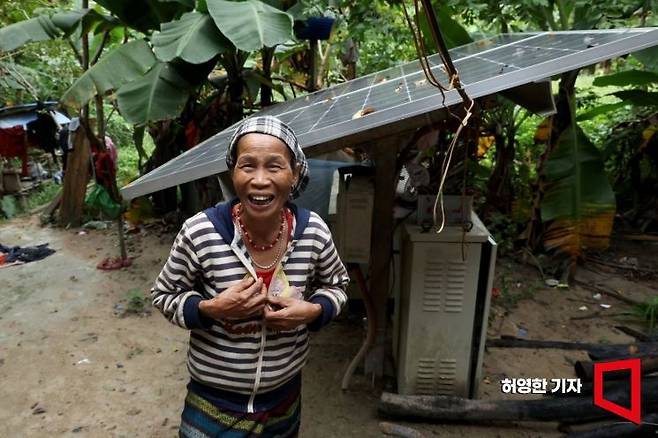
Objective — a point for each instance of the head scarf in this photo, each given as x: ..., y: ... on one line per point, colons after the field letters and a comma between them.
x: 272, y: 126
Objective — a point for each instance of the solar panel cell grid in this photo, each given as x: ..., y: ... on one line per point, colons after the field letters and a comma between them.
x: 397, y: 93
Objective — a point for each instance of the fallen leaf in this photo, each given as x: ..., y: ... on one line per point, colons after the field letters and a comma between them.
x: 364, y: 112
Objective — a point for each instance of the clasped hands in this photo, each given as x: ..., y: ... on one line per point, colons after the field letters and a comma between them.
x: 249, y: 298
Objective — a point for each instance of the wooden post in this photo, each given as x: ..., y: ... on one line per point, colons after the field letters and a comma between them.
x: 75, y: 180
x: 312, y: 84
x: 384, y: 153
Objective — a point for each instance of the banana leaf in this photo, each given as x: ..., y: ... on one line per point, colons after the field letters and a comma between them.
x: 578, y: 198
x: 638, y: 97
x: 454, y: 34
x: 648, y: 57
x: 120, y: 66
x: 251, y: 24
x: 47, y: 27
x: 146, y: 15
x: 35, y: 29
x: 160, y: 94
x: 634, y: 78
x: 194, y: 38
x: 601, y: 109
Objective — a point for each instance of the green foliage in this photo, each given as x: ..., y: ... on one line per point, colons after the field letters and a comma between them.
x: 194, y: 38
x: 35, y: 29
x: 638, y: 97
x: 8, y: 206
x: 577, y: 183
x: 160, y: 94
x: 453, y: 32
x: 636, y: 78
x: 146, y: 15
x: 505, y: 232
x: 648, y: 57
x: 42, y: 195
x: 135, y: 301
x: 648, y: 312
x: 251, y: 24
x: 122, y: 65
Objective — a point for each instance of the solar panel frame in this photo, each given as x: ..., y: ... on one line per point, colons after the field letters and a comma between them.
x: 340, y: 103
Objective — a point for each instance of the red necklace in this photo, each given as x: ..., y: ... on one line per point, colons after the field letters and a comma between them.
x: 245, y: 233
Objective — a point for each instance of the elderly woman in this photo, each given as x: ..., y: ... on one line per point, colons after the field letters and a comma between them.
x: 249, y: 278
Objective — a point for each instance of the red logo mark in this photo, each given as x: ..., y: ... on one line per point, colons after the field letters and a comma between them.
x: 632, y: 414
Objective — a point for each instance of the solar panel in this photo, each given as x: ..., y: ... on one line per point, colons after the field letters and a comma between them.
x: 398, y: 93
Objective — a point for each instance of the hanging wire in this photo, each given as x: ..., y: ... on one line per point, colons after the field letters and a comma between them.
x: 455, y: 84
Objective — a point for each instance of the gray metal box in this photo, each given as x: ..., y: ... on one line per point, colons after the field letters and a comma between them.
x: 441, y: 316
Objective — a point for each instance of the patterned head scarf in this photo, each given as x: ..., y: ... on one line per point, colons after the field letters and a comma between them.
x: 272, y: 126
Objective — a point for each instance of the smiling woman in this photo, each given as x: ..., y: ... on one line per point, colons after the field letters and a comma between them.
x: 249, y: 278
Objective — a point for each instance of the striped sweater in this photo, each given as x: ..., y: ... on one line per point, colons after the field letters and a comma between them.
x: 208, y: 256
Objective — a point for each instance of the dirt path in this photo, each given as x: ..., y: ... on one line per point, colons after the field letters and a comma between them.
x: 70, y: 367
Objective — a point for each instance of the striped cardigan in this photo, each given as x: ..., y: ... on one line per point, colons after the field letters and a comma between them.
x: 207, y: 257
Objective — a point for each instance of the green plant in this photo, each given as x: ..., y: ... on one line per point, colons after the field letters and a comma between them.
x: 505, y: 231
x: 8, y: 206
x: 648, y: 312
x: 42, y: 195
x: 136, y: 301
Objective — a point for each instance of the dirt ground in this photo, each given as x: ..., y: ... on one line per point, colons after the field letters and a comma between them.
x: 74, y: 362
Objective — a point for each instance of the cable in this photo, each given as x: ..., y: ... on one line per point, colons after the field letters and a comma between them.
x: 455, y: 84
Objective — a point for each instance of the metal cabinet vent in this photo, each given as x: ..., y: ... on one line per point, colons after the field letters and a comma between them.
x: 441, y: 315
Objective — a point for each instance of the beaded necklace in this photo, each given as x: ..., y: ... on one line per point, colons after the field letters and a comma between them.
x: 246, y: 235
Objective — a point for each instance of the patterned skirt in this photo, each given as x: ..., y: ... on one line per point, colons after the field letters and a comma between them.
x: 203, y: 419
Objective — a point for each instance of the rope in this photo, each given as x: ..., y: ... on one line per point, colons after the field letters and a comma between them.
x: 454, y: 83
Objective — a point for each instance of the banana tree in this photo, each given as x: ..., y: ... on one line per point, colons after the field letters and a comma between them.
x: 175, y: 46
x: 578, y: 203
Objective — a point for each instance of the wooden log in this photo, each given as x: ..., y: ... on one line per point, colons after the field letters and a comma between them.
x: 640, y: 336
x: 640, y: 237
x: 647, y: 428
x: 398, y: 430
x: 587, y: 387
x: 595, y: 351
x: 75, y: 180
x: 616, y: 351
x: 512, y: 342
x: 384, y: 152
x: 441, y: 409
x: 585, y: 370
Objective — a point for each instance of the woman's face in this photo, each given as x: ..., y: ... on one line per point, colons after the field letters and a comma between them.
x: 262, y: 175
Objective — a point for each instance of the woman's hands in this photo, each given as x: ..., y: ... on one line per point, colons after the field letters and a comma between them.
x: 290, y: 313
x: 242, y: 300
x: 249, y: 298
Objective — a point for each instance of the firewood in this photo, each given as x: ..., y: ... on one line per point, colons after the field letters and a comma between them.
x: 440, y: 409
x: 585, y: 370
x: 620, y: 430
x: 398, y: 430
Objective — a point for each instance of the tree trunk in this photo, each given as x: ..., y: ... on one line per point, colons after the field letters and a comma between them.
x: 560, y: 121
x: 500, y: 191
x: 265, y: 90
x: 75, y: 180
x: 235, y: 88
x: 164, y: 136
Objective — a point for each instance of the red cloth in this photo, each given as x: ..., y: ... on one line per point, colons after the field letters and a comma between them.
x: 13, y: 144
x: 267, y: 275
